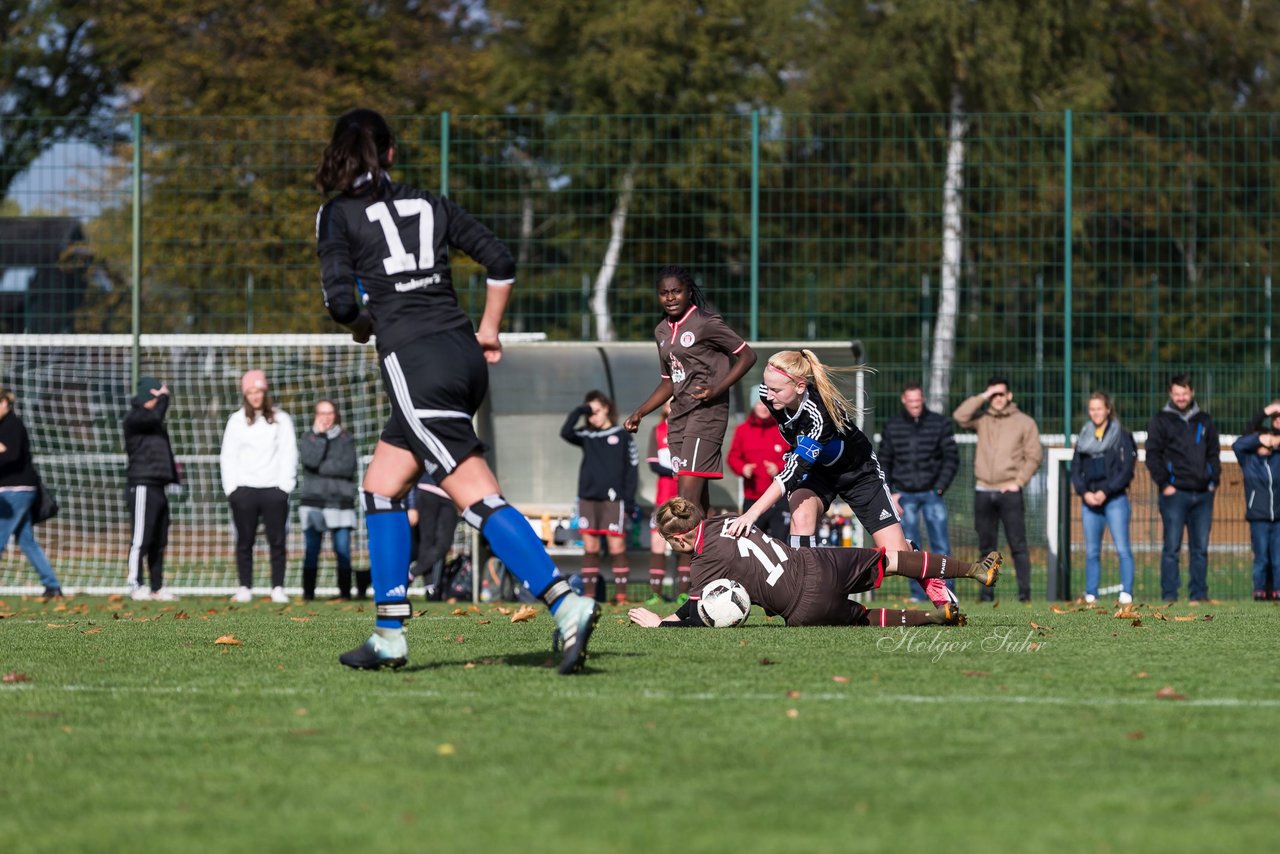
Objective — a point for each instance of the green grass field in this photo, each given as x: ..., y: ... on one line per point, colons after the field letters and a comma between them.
x: 126, y: 727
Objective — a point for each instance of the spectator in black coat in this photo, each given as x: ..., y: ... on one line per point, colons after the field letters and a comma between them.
x: 1101, y: 471
x: 18, y: 493
x: 151, y: 468
x: 919, y: 458
x: 328, y: 495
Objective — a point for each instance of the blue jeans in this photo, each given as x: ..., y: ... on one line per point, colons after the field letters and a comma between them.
x: 15, y: 517
x: 311, y: 540
x: 1113, y: 515
x: 1265, y: 537
x: 1193, y: 511
x: 934, y: 509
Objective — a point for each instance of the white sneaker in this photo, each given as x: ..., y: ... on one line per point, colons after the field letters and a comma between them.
x: 244, y: 594
x: 1089, y: 598
x: 1126, y: 599
x: 279, y: 596
x: 140, y: 593
x: 164, y: 595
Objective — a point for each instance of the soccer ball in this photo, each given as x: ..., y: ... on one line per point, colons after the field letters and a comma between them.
x: 724, y: 604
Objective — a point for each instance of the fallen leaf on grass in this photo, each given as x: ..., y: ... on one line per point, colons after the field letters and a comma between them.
x: 475, y: 609
x: 229, y: 640
x: 8, y: 614
x: 843, y: 680
x: 977, y: 673
x: 766, y: 662
x: 458, y: 612
x: 115, y: 597
x: 506, y: 612
x: 793, y: 713
x: 1185, y: 619
x: 1126, y: 613
x: 1033, y: 646
x: 1137, y: 623
x: 421, y: 613
x: 470, y: 665
x: 445, y: 750
x: 301, y: 619
x: 793, y: 695
x: 181, y: 615
x: 1055, y: 609
x: 59, y: 625
x: 14, y: 676
x: 1040, y: 628
x: 1159, y: 615
x: 460, y: 639
x: 523, y: 614
x: 93, y: 631
x: 1141, y: 674
x: 1136, y: 735
x: 1208, y: 618
x: 1167, y: 693
x: 302, y: 713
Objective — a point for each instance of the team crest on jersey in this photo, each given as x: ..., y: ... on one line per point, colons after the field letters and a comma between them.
x: 678, y: 374
x: 687, y: 339
x: 678, y: 464
x: 613, y: 440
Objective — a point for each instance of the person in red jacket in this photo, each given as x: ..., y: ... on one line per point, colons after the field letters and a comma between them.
x: 755, y: 455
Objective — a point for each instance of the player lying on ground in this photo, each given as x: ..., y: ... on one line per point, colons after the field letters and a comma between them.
x: 806, y: 586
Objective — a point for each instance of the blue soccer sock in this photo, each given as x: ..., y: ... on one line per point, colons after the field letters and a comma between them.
x: 516, y: 545
x: 388, y: 527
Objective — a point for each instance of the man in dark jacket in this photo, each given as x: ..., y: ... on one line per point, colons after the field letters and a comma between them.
x: 1259, y: 461
x: 328, y: 494
x: 151, y: 468
x: 1182, y: 457
x: 919, y: 458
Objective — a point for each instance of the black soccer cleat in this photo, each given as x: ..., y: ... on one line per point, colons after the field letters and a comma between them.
x: 376, y: 653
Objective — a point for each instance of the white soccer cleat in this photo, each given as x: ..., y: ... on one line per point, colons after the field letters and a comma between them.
x: 164, y: 594
x: 1126, y: 599
x: 1089, y: 598
x: 244, y: 594
x: 140, y: 593
x: 279, y: 596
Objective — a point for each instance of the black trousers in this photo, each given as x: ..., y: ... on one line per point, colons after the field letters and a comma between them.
x: 149, y: 517
x: 990, y: 510
x: 248, y: 505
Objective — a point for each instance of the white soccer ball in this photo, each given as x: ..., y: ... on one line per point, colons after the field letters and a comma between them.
x: 724, y: 604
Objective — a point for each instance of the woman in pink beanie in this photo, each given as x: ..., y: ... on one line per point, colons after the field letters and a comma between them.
x: 259, y: 469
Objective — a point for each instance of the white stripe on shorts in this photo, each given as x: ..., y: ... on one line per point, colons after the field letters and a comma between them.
x: 139, y: 525
x: 400, y: 391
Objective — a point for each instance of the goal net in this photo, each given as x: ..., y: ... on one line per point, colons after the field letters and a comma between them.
x: 72, y: 393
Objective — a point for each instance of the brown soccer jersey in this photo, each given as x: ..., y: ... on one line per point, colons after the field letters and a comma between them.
x: 695, y: 351
x: 807, y: 587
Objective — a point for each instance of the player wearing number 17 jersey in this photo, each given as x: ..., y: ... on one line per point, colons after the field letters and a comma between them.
x: 384, y: 256
x: 806, y: 586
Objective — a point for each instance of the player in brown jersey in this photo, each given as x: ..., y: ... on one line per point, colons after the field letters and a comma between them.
x: 829, y: 456
x: 699, y: 359
x: 806, y: 586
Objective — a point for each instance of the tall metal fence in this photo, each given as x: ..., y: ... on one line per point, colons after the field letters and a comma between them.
x: 1086, y: 251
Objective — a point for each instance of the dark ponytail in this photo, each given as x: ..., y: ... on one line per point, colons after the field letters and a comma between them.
x: 361, y: 145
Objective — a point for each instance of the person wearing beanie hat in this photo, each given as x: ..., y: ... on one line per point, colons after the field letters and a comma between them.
x: 259, y: 463
x: 384, y: 251
x: 151, y: 468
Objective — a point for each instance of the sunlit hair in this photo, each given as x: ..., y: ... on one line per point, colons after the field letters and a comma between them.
x: 610, y: 408
x: 684, y: 277
x: 798, y: 365
x: 268, y: 408
x: 337, y: 413
x: 678, y: 516
x: 361, y: 145
x: 1106, y: 401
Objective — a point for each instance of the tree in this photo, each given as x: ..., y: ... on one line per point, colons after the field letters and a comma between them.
x: 54, y: 82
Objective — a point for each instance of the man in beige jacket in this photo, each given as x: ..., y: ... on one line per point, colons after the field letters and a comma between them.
x: 1008, y: 455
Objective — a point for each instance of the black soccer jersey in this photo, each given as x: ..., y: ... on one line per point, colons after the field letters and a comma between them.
x: 393, y: 247
x: 844, y: 450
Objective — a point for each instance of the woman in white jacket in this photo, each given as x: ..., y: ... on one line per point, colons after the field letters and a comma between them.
x: 259, y: 469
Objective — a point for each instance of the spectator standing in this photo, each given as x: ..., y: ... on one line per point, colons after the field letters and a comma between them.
x: 18, y: 493
x: 259, y: 463
x: 606, y: 488
x: 756, y: 455
x: 436, y: 525
x: 1007, y: 456
x: 327, y: 496
x: 1260, y: 464
x: 919, y: 457
x: 151, y: 467
x: 665, y: 488
x: 1182, y: 457
x: 1101, y: 471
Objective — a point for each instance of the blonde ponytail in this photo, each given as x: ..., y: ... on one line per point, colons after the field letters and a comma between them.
x: 805, y: 364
